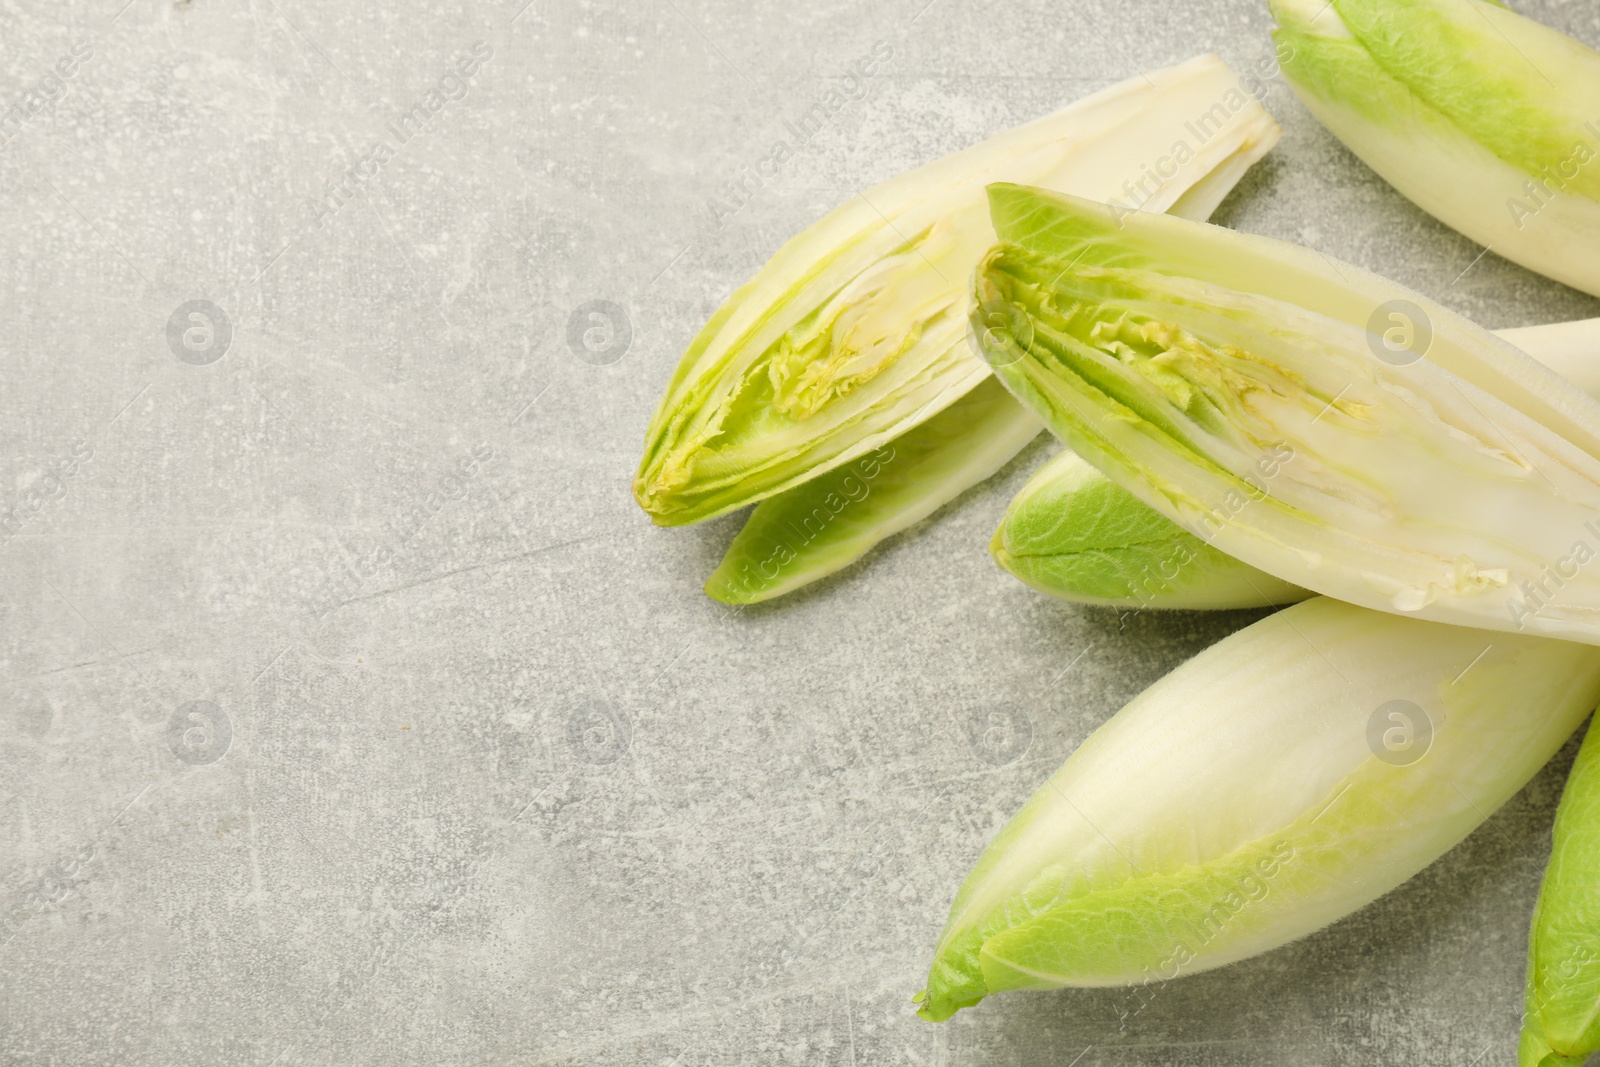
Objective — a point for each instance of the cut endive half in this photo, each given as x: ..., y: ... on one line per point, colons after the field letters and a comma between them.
x: 1072, y: 533
x: 854, y: 332
x: 1279, y: 780
x: 1485, y: 119
x: 1321, y: 424
x: 826, y: 523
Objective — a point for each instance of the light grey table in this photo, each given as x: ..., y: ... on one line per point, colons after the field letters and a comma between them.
x: 353, y: 714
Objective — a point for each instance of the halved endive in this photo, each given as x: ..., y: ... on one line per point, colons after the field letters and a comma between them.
x: 855, y: 331
x: 1483, y: 118
x: 1279, y: 780
x: 1324, y: 425
x: 1073, y: 533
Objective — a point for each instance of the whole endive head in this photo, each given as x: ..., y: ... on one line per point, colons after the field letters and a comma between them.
x: 854, y: 332
x: 1313, y: 420
x: 1484, y: 118
x: 1274, y: 783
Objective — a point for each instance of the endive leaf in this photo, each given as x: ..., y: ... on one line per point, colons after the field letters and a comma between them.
x: 831, y: 521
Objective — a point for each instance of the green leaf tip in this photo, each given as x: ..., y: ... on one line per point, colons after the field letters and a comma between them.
x: 1074, y: 534
x: 1533, y: 1050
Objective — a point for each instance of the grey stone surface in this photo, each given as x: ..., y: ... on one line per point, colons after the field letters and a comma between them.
x: 477, y: 775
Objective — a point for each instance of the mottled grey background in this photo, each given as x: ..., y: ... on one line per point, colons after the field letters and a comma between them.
x: 479, y: 776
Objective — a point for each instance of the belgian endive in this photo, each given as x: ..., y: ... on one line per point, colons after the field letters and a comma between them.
x: 854, y: 332
x: 1484, y: 118
x: 1073, y: 533
x: 1321, y: 424
x: 1561, y: 1023
x: 1274, y: 783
